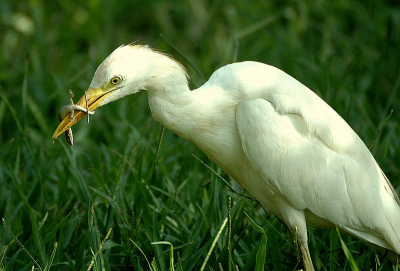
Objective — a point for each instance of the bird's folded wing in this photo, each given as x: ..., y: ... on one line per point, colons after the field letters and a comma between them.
x: 308, y: 173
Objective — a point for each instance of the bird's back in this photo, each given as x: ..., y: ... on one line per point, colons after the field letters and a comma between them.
x: 329, y: 171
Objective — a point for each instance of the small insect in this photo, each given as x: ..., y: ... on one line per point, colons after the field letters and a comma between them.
x: 70, y: 109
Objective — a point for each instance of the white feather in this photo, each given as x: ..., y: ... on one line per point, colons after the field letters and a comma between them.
x: 272, y: 134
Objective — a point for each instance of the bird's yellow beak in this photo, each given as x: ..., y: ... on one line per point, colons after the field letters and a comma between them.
x: 94, y: 98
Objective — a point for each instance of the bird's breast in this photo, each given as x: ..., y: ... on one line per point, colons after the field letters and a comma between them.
x: 223, y: 146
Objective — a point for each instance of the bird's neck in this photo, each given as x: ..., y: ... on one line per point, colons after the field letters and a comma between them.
x: 173, y: 112
x: 170, y: 97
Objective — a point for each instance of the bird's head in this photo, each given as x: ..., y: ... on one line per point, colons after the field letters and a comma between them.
x: 127, y: 70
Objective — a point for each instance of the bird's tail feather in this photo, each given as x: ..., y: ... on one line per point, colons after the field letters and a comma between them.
x: 368, y: 237
x: 386, y: 232
x: 391, y: 209
x: 391, y: 232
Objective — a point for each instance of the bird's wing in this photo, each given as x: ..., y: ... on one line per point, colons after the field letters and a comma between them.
x: 310, y: 174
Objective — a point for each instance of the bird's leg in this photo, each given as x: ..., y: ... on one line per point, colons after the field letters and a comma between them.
x: 87, y: 108
x: 301, y: 243
x: 305, y: 255
x: 71, y: 102
x: 296, y: 222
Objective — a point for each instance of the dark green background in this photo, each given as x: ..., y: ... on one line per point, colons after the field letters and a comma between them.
x: 348, y: 52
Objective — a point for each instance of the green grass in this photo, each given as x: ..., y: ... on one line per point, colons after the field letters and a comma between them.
x: 60, y: 202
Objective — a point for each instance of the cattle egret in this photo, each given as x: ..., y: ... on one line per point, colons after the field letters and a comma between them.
x: 270, y: 133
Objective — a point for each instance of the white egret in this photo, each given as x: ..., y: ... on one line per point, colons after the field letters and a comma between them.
x: 270, y: 133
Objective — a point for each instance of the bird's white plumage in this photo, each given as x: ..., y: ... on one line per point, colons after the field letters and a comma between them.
x: 275, y: 136
x: 311, y: 176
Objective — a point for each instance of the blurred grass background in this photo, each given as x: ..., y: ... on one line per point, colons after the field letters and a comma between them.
x: 346, y: 51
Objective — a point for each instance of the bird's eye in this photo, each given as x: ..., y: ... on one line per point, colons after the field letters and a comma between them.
x: 116, y: 80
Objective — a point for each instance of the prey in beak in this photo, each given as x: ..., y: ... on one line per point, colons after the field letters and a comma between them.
x: 70, y: 109
x: 72, y: 113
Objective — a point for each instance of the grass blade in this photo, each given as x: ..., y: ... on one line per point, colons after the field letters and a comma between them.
x: 53, y: 232
x: 213, y: 244
x: 144, y: 255
x: 50, y: 262
x: 4, y: 98
x: 191, y: 63
x: 171, y: 256
x: 262, y: 250
x: 20, y: 244
x: 347, y: 253
x: 32, y: 215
